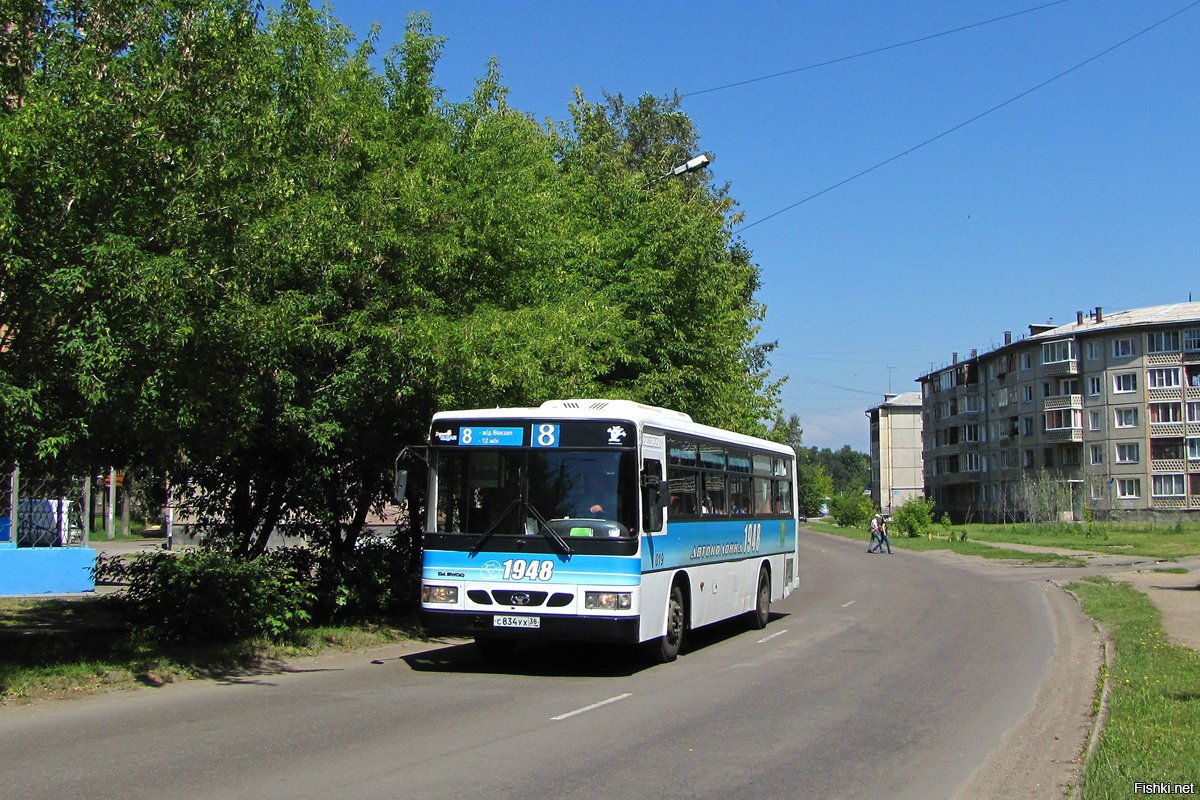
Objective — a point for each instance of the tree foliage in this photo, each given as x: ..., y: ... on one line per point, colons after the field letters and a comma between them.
x: 234, y: 251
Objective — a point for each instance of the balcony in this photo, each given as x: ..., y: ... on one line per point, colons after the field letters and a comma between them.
x: 1062, y: 401
x: 1063, y: 435
x: 1164, y: 393
x: 1158, y: 429
x: 1061, y: 368
x: 1163, y: 465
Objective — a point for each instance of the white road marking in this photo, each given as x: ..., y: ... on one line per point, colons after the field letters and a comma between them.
x: 847, y: 605
x: 592, y: 707
x: 772, y: 636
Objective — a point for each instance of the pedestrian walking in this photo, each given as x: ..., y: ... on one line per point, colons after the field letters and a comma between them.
x: 876, y: 527
x: 883, y: 535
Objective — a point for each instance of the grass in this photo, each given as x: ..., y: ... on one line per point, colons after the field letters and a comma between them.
x: 67, y: 647
x: 923, y: 544
x: 1153, y: 728
x: 1144, y: 540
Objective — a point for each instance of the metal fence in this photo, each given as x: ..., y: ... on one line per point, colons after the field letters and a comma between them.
x: 42, y: 511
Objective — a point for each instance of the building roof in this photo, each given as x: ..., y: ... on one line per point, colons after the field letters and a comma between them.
x: 1095, y: 321
x: 1175, y: 313
x: 902, y: 399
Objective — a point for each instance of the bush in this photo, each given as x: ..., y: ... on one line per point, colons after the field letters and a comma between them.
x: 373, y: 580
x: 202, y: 597
x: 851, y: 510
x: 914, y: 517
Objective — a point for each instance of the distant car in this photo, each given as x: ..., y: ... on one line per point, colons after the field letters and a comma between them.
x: 802, y: 518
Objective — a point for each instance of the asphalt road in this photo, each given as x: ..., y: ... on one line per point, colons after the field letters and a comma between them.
x: 881, y: 677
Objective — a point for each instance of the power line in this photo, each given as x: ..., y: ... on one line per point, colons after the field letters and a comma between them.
x: 975, y: 118
x: 873, y: 52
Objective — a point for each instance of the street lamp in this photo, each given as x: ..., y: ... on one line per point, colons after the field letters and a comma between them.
x: 699, y: 162
x: 691, y: 165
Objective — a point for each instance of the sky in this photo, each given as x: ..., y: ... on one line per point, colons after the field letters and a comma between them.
x: 916, y: 178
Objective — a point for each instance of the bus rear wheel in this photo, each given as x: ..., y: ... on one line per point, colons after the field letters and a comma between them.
x: 762, y: 601
x: 666, y: 648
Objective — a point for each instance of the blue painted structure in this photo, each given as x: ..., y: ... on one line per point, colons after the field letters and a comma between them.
x: 46, y: 570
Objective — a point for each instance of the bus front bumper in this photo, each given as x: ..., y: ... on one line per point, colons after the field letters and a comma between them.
x: 549, y: 627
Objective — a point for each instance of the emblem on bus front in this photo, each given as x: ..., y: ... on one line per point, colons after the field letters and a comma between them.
x: 616, y: 434
x: 519, y: 599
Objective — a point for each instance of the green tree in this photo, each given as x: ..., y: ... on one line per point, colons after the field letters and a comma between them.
x: 914, y: 516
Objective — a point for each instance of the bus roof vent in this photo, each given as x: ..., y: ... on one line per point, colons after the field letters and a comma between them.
x: 615, y: 407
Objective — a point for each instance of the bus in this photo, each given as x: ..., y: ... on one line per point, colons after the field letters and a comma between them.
x: 602, y: 521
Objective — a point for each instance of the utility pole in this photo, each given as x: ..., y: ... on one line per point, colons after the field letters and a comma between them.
x: 110, y: 512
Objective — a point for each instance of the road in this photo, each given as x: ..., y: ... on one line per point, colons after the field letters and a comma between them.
x: 882, y: 676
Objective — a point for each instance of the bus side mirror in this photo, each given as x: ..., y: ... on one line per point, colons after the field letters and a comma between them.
x: 656, y: 491
x: 400, y: 485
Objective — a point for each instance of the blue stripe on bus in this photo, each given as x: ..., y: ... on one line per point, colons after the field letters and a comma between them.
x: 490, y: 566
x: 711, y: 541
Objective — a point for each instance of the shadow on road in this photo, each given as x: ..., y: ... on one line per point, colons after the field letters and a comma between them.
x: 565, y: 659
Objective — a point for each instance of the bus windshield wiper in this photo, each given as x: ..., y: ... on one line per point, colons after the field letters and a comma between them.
x: 549, y: 533
x: 492, y: 528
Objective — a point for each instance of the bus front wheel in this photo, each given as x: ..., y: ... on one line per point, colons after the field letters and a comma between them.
x: 666, y: 648
x: 762, y: 602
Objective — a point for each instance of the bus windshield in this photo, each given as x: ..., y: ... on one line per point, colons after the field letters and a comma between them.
x: 518, y: 492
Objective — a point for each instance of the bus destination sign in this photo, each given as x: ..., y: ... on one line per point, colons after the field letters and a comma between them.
x: 539, y: 434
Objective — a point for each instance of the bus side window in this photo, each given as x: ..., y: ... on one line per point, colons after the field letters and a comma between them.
x: 682, y: 486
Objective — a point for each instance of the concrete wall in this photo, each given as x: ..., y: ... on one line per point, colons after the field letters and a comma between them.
x: 46, y: 570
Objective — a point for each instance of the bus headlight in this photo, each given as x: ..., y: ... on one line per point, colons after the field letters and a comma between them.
x: 613, y: 601
x: 439, y: 594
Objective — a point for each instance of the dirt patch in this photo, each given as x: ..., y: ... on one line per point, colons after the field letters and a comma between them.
x: 1176, y: 595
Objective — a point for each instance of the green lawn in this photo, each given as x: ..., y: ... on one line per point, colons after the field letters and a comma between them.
x: 1153, y: 729
x: 966, y: 547
x: 1142, y: 540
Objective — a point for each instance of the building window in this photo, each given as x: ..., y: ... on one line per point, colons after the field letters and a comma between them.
x: 970, y: 433
x: 1065, y: 419
x: 1027, y: 393
x: 1094, y: 420
x: 1129, y: 488
x: 1027, y: 426
x: 1026, y: 362
x: 1097, y: 451
x: 1163, y: 342
x: 1122, y: 348
x: 1048, y: 457
x: 1165, y: 412
x: 1128, y: 453
x: 1191, y: 339
x: 1125, y: 417
x: 1095, y: 386
x: 1163, y: 378
x: 1027, y: 458
x: 1058, y: 352
x: 1093, y: 351
x: 1193, y: 443
x: 973, y: 462
x: 1125, y: 383
x: 1169, y: 486
x: 1193, y: 412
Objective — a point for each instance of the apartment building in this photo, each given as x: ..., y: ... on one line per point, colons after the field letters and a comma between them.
x: 1101, y: 415
x: 896, y: 469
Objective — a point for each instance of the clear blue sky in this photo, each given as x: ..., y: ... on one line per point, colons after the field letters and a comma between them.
x: 1082, y: 193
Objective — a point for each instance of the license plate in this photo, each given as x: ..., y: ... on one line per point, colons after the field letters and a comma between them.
x: 516, y: 622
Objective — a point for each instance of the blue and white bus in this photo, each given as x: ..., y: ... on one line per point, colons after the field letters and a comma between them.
x: 602, y: 520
